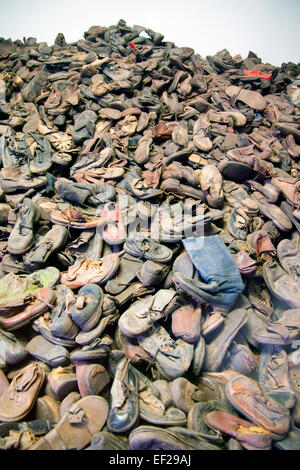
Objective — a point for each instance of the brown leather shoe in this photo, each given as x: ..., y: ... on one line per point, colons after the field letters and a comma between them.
x: 87, y: 271
x: 21, y: 395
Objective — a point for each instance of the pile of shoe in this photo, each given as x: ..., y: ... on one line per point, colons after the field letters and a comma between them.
x: 150, y: 263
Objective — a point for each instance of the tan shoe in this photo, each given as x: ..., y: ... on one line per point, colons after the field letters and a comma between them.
x: 19, y: 398
x: 87, y: 271
x: 77, y: 427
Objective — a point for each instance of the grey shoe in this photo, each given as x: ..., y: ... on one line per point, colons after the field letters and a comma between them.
x: 12, y: 351
x: 274, y: 376
x: 124, y: 407
x: 21, y: 238
x: 142, y: 314
x: 46, y: 246
x: 62, y: 324
x: 172, y: 358
x: 47, y: 352
x: 216, y: 350
x: 152, y: 274
x: 141, y: 246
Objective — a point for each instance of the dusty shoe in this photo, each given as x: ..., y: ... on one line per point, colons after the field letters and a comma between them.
x: 240, y: 359
x: 61, y: 322
x: 21, y: 238
x: 172, y: 358
x: 173, y: 438
x: 289, y: 258
x: 152, y: 274
x: 47, y: 352
x: 273, y: 376
x: 62, y: 381
x: 253, y: 99
x: 97, y: 349
x: 185, y: 394
x: 77, y: 427
x: 294, y: 375
x: 140, y: 189
x: 87, y: 309
x: 107, y: 441
x: 12, y: 179
x: 22, y: 393
x: 186, y: 323
x: 247, y: 398
x: 211, y: 184
x: 48, y: 244
x: 237, y: 224
x: 39, y: 302
x: 251, y: 437
x: 12, y: 351
x: 88, y: 272
x: 272, y: 212
x: 127, y: 271
x: 124, y: 408
x: 141, y: 154
x: 91, y: 378
x: 183, y: 173
x: 246, y: 265
x: 143, y: 314
x: 144, y: 247
x: 47, y: 409
x: 172, y: 186
x: 281, y: 285
x: 152, y: 408
x: 281, y: 332
x: 216, y: 350
x: 114, y: 233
